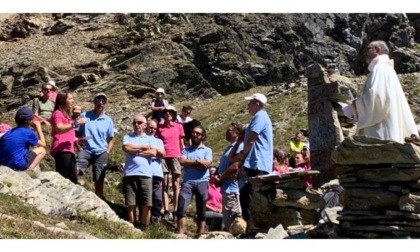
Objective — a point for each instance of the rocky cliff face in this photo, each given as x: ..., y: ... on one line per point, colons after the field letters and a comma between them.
x: 189, y: 55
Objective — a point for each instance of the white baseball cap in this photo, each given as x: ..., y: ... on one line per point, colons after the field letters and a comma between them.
x: 52, y: 83
x: 160, y: 90
x: 257, y: 96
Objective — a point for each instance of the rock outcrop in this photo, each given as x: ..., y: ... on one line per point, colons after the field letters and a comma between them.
x: 55, y: 196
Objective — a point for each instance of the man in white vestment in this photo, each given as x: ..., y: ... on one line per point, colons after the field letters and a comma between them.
x: 382, y: 109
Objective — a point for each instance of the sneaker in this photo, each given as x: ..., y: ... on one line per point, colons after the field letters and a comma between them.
x: 167, y: 215
x: 34, y: 172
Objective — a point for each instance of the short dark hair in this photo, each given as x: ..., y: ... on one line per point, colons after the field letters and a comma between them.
x: 237, y: 127
x: 204, y: 135
x: 187, y: 107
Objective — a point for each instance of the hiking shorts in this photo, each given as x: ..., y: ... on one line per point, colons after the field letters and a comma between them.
x: 138, y: 190
x: 171, y: 165
x: 98, y: 162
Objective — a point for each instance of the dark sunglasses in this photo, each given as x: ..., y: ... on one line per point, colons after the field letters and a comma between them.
x: 47, y: 89
x: 100, y: 100
x: 138, y: 122
x: 197, y: 133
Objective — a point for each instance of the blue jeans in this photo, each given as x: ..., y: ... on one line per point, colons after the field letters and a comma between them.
x: 200, y: 191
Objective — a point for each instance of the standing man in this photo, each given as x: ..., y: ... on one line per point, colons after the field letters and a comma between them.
x: 196, y: 160
x: 257, y: 154
x: 382, y: 110
x: 99, y: 129
x: 231, y: 207
x: 137, y: 178
x: 157, y: 171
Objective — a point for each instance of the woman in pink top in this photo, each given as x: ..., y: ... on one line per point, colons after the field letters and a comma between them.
x: 64, y: 136
x: 214, y: 216
x: 172, y: 135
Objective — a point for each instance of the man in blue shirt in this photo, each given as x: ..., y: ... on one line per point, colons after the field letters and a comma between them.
x: 137, y: 178
x: 15, y: 143
x: 196, y: 161
x: 230, y: 189
x: 157, y: 171
x: 99, y: 129
x: 257, y: 154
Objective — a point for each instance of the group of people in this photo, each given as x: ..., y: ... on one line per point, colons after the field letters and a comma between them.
x: 156, y: 148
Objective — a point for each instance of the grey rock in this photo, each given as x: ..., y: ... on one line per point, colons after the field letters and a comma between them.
x: 352, y: 151
x: 276, y: 233
x: 410, y: 202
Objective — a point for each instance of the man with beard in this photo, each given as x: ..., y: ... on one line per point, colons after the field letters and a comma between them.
x: 99, y: 129
x: 196, y: 161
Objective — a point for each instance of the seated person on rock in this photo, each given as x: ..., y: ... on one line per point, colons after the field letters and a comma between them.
x: 302, y: 163
x: 15, y: 143
x: 214, y: 217
x: 296, y: 145
x: 280, y: 162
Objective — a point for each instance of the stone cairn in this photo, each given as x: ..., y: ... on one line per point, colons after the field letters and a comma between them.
x: 287, y: 202
x: 326, y: 122
x: 382, y: 188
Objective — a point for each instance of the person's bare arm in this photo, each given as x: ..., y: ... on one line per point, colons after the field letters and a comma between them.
x: 134, y: 148
x: 63, y: 128
x: 151, y: 152
x: 247, y: 146
x: 231, y: 171
x: 110, y: 141
x: 200, y: 164
x: 214, y: 209
x: 38, y: 130
x: 160, y: 153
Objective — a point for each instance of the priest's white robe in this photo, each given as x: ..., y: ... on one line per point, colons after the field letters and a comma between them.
x: 382, y: 109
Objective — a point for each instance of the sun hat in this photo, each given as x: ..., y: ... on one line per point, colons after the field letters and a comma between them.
x: 52, y: 83
x: 160, y: 90
x: 257, y: 96
x: 170, y: 108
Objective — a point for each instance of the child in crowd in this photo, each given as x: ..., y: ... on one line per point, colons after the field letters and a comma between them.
x: 280, y: 162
